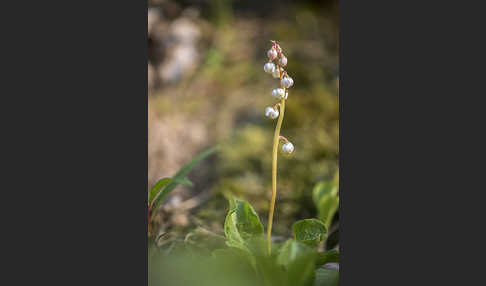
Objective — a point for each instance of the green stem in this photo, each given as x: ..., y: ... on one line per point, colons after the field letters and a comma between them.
x: 274, y: 174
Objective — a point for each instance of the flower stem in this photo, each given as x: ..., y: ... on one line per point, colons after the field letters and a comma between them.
x: 274, y: 174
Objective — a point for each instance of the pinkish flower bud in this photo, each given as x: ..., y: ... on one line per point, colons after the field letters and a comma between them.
x: 272, y: 54
x: 287, y: 81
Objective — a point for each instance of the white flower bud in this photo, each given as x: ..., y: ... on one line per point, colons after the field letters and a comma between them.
x: 286, y: 95
x: 282, y: 61
x: 271, y: 113
x: 276, y: 73
x: 278, y: 93
x: 287, y: 148
x: 287, y: 81
x: 269, y: 67
x: 272, y: 54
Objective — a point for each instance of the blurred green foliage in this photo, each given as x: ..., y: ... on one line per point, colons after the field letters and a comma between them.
x: 326, y: 199
x: 244, y: 260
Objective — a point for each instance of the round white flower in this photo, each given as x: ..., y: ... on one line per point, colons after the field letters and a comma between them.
x: 276, y: 73
x: 278, y: 93
x: 282, y: 61
x: 269, y: 67
x: 272, y: 54
x: 288, y: 148
x: 271, y: 113
x: 287, y: 81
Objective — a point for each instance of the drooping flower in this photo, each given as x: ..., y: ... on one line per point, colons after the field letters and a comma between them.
x: 272, y: 54
x: 271, y: 112
x: 287, y: 81
x: 288, y: 148
x: 278, y: 93
x: 269, y: 68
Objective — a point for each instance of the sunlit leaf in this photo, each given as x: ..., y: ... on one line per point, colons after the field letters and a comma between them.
x: 241, y: 224
x: 309, y: 231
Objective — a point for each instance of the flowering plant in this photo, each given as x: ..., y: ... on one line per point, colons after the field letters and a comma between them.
x: 243, y: 257
x: 277, y: 71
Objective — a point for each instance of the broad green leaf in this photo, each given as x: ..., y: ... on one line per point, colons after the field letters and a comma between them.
x: 326, y: 199
x: 299, y: 261
x: 241, y: 224
x: 180, y: 177
x: 326, y: 257
x: 309, y: 231
x: 272, y: 273
x: 326, y: 277
x: 257, y: 245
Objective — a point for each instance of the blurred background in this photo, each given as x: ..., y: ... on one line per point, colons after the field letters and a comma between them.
x: 207, y: 86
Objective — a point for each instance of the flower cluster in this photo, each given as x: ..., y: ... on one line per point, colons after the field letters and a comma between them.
x: 275, y: 66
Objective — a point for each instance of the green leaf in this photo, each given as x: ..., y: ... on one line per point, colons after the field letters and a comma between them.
x: 179, y: 177
x: 299, y: 261
x: 271, y: 272
x: 185, y: 181
x: 187, y: 168
x: 326, y: 199
x: 157, y: 188
x: 326, y: 257
x: 309, y: 231
x: 326, y: 277
x: 241, y: 224
x: 257, y: 245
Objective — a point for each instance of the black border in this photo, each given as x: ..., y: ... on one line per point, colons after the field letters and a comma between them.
x: 409, y: 121
x: 76, y: 161
x: 76, y: 142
